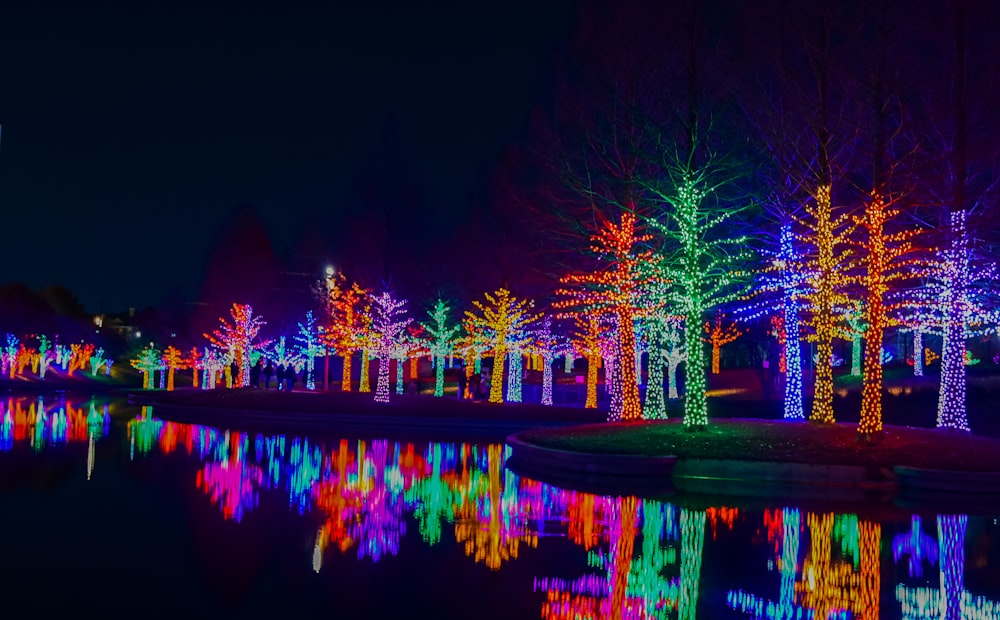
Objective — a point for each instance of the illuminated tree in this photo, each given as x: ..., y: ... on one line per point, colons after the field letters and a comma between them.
x: 10, y: 355
x: 96, y: 360
x: 79, y: 357
x: 147, y: 362
x: 504, y: 318
x: 702, y: 266
x: 45, y: 356
x: 617, y: 291
x: 389, y: 324
x: 826, y: 238
x: 174, y: 360
x: 309, y: 347
x: 546, y: 344
x: 442, y: 341
x: 194, y: 362
x: 239, y: 338
x: 889, y: 261
x: 586, y: 339
x: 719, y: 336
x: 348, y: 327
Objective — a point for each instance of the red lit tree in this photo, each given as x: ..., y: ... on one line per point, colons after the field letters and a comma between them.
x: 239, y: 338
x: 615, y: 291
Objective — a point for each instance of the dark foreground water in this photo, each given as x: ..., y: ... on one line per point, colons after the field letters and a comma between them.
x: 107, y: 511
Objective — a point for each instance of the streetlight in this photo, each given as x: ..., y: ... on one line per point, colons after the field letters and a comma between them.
x: 329, y: 310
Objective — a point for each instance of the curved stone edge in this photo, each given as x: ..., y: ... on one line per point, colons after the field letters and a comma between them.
x: 540, y: 458
x: 740, y: 477
x: 941, y: 481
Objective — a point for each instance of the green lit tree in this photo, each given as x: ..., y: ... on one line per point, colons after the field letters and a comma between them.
x: 442, y: 341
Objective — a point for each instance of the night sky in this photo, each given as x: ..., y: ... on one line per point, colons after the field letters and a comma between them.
x: 132, y: 132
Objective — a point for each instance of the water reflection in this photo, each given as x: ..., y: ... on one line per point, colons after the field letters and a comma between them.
x: 639, y: 558
x: 28, y: 420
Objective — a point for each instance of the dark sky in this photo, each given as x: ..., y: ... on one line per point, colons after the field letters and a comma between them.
x: 131, y: 132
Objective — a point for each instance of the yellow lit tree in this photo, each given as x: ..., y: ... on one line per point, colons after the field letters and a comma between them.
x: 503, y: 317
x: 586, y: 341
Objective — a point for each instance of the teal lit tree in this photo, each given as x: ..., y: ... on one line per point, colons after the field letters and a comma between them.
x: 309, y: 347
x: 442, y: 340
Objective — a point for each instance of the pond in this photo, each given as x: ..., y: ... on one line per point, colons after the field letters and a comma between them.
x: 105, y: 508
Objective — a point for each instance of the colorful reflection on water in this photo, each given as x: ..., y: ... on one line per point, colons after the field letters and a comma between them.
x: 644, y: 558
x: 357, y: 510
x: 29, y: 420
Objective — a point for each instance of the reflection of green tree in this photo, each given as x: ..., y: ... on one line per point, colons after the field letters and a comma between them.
x: 692, y: 543
x: 433, y: 499
x: 845, y: 527
x: 143, y: 431
x: 646, y: 579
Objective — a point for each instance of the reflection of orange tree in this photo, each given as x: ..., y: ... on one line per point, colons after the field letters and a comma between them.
x: 338, y: 498
x: 495, y: 537
x: 600, y: 596
x: 721, y: 515
x: 232, y: 482
x: 828, y: 585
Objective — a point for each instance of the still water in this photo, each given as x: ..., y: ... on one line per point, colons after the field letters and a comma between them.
x: 107, y: 509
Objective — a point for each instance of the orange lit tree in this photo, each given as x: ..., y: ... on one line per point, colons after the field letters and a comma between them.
x: 348, y: 323
x: 616, y: 291
x: 173, y: 360
x: 889, y: 261
x: 503, y: 318
x: 719, y: 335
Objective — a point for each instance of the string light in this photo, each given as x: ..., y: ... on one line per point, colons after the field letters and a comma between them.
x: 718, y: 336
x: 586, y: 339
x: 309, y: 347
x: 616, y: 292
x: 826, y: 297
x: 174, y: 360
x: 239, y: 338
x: 504, y: 320
x: 442, y: 340
x: 951, y: 393
x: 389, y: 325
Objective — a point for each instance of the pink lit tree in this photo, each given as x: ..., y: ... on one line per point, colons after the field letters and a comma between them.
x: 389, y: 326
